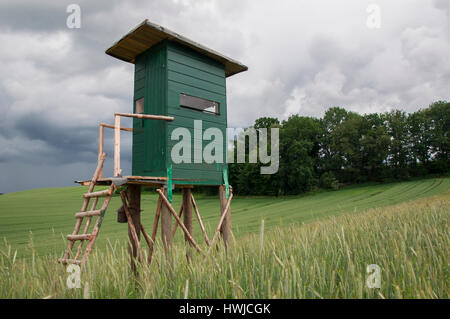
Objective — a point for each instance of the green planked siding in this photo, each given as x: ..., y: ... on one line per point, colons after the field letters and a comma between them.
x: 138, y: 145
x: 161, y: 74
x: 193, y: 74
x: 149, y: 155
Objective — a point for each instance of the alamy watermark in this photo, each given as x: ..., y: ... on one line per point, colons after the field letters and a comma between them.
x: 374, y: 16
x: 221, y: 149
x: 373, y: 280
x: 74, y: 18
x: 74, y: 279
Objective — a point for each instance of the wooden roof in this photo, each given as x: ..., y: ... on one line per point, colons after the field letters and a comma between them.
x: 147, y: 34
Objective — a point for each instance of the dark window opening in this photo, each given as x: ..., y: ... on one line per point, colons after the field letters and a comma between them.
x: 199, y: 104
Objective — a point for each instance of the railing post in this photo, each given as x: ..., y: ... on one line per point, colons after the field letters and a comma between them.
x: 101, y: 144
x: 117, y: 129
x: 117, y: 170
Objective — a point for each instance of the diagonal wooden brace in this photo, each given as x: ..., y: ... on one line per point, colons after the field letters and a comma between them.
x: 147, y: 239
x: 174, y: 213
x: 180, y: 212
x: 200, y: 221
x: 224, y: 214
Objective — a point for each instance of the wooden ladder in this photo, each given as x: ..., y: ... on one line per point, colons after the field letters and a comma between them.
x: 88, y: 214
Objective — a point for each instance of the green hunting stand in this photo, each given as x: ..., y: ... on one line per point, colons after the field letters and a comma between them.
x: 176, y: 81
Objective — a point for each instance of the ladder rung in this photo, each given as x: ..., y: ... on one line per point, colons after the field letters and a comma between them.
x: 106, y: 192
x: 69, y: 261
x: 79, y: 237
x: 88, y: 213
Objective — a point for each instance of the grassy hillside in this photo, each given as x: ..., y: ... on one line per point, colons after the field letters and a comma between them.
x: 47, y: 214
x: 323, y: 259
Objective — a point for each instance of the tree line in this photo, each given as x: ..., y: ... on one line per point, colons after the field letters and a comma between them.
x: 345, y: 147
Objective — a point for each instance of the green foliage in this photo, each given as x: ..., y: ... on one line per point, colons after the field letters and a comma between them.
x: 299, y: 142
x: 439, y: 117
x: 266, y: 122
x: 355, y: 148
x: 329, y: 181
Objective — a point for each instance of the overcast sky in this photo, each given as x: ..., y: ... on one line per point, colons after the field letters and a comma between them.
x: 57, y: 84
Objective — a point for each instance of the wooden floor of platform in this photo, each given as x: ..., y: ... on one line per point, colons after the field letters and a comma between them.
x: 136, y: 180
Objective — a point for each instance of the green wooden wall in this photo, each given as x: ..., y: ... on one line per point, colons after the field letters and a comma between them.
x: 150, y: 136
x: 161, y: 74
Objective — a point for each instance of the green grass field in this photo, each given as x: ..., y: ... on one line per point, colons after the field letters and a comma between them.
x: 311, y: 246
x: 46, y: 215
x: 322, y: 259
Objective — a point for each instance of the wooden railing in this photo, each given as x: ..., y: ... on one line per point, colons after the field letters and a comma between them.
x: 101, y: 141
x: 117, y: 129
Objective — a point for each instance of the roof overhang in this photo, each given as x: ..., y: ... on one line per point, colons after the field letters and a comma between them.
x: 147, y: 34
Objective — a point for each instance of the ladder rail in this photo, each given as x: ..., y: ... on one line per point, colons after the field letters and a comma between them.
x: 85, y: 205
x: 86, y: 228
x: 98, y: 224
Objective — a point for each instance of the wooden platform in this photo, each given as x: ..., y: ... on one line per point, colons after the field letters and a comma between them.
x: 149, y: 181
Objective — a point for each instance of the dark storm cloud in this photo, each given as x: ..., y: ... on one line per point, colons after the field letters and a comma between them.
x: 58, y: 135
x: 32, y: 15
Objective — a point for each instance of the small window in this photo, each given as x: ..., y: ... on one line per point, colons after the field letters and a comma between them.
x: 140, y: 106
x: 199, y: 104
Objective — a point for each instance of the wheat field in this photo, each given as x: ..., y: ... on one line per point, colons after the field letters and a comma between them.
x: 323, y: 259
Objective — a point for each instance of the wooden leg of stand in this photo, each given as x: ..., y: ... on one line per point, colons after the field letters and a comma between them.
x: 187, y: 210
x: 166, y: 226
x: 133, y: 213
x: 155, y: 230
x: 225, y: 229
x: 222, y: 218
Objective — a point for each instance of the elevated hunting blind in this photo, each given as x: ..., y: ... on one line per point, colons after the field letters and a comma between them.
x: 176, y: 77
x: 176, y: 83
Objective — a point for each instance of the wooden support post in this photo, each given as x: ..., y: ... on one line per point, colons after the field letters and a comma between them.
x: 222, y: 218
x: 178, y: 220
x: 134, y: 238
x: 187, y: 211
x: 134, y: 203
x: 225, y: 229
x: 155, y: 229
x: 166, y: 225
x: 117, y: 170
